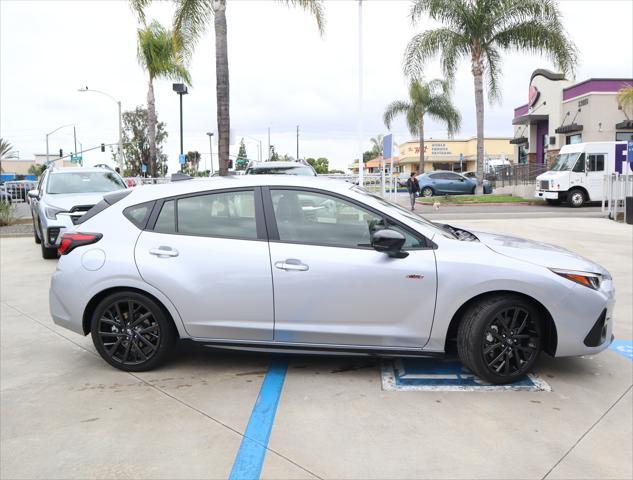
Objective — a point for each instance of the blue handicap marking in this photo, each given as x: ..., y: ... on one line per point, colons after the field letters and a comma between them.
x: 445, y: 374
x: 623, y: 347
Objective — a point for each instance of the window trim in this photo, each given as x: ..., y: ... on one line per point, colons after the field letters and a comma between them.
x: 260, y: 223
x: 273, y: 231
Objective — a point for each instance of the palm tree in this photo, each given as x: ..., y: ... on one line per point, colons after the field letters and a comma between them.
x: 625, y: 99
x: 192, y: 19
x: 479, y: 30
x: 6, y: 149
x: 432, y: 99
x: 161, y: 55
x: 376, y: 145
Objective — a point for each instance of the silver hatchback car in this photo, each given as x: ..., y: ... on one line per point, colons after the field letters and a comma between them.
x: 316, y: 265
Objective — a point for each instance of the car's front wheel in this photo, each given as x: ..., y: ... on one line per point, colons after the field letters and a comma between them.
x: 576, y: 198
x: 132, y: 332
x: 35, y: 235
x: 499, y: 338
x: 48, y: 253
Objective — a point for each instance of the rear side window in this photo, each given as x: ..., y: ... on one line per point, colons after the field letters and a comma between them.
x: 166, y: 222
x: 139, y: 214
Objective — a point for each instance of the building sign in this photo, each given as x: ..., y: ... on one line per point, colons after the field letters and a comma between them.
x: 436, y: 149
x: 583, y: 102
x: 533, y: 95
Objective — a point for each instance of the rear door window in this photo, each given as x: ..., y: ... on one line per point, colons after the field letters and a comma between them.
x: 166, y: 222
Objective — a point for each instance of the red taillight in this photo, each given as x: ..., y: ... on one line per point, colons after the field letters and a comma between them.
x: 70, y: 241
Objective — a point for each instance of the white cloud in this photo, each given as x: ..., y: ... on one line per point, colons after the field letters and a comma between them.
x: 282, y: 73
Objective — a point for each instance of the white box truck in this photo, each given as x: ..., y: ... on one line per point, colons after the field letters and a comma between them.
x: 577, y: 174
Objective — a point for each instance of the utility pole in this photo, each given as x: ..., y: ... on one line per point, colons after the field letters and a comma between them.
x: 75, y: 138
x: 297, y: 142
x: 210, y: 134
x: 360, y: 93
x: 268, y: 143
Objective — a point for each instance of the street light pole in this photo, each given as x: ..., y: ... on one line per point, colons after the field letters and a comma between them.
x: 259, y: 142
x: 118, y: 102
x: 180, y: 89
x: 210, y: 134
x: 50, y: 133
x: 360, y: 93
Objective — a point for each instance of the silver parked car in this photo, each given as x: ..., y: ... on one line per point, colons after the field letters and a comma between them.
x: 294, y: 167
x: 296, y: 263
x: 63, y: 196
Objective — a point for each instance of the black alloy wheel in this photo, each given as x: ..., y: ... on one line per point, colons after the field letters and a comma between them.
x: 427, y: 192
x: 511, y: 341
x: 499, y: 338
x: 131, y: 332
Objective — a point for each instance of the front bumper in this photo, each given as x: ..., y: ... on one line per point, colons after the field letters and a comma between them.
x: 53, y: 229
x: 550, y: 195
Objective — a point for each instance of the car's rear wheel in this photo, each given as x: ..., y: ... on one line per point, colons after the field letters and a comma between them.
x: 499, y: 338
x: 427, y: 192
x: 132, y: 332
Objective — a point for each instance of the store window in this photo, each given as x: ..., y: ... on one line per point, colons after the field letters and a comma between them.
x: 623, y: 136
x: 571, y: 139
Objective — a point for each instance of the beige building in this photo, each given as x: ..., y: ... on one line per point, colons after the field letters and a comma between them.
x: 19, y: 167
x: 458, y: 155
x: 561, y: 111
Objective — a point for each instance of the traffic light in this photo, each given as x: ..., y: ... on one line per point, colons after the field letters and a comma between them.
x: 103, y: 147
x: 61, y: 153
x: 229, y: 164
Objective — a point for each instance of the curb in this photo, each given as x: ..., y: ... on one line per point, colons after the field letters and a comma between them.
x: 475, y: 204
x: 15, y: 235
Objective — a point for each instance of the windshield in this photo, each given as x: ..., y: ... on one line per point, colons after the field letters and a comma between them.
x: 298, y: 170
x: 403, y: 211
x: 84, y: 182
x: 565, y: 161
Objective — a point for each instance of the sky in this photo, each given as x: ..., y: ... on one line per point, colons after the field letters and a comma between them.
x: 282, y: 74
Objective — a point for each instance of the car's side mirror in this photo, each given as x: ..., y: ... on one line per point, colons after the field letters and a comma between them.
x: 33, y: 193
x: 389, y: 242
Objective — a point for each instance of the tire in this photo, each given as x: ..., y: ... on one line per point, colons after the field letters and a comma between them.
x: 37, y: 238
x: 551, y: 201
x: 48, y: 253
x: 576, y: 198
x: 137, y: 345
x: 499, y: 338
x: 472, y: 192
x: 427, y: 192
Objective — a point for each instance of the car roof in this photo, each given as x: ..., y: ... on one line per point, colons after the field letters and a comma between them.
x: 183, y: 187
x: 81, y: 170
x: 278, y: 164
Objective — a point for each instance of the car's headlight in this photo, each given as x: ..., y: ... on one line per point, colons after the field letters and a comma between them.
x: 51, y: 212
x: 588, y: 279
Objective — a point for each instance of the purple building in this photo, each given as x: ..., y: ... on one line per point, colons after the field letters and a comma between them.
x: 561, y: 111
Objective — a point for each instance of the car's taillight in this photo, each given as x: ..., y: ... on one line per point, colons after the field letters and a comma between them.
x: 70, y: 241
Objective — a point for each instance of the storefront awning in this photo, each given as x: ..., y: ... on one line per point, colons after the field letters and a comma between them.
x: 626, y: 124
x: 571, y: 128
x: 519, y: 141
x: 529, y: 119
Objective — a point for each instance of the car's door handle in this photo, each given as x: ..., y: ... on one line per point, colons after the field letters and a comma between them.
x: 291, y: 264
x: 164, y: 252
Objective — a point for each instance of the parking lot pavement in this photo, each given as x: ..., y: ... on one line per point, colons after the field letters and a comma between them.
x: 66, y: 414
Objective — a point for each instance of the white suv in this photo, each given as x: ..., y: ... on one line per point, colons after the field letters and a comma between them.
x: 63, y: 196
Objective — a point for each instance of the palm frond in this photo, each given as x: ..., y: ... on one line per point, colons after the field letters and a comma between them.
x: 393, y: 110
x: 493, y: 73
x: 191, y: 20
x: 159, y: 54
x: 448, y: 12
x: 138, y: 7
x: 441, y: 109
x: 545, y: 38
x: 450, y: 45
x: 315, y: 7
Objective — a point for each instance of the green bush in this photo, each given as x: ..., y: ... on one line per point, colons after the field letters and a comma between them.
x: 6, y: 213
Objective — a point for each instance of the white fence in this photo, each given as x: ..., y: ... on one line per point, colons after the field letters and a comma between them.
x: 383, y: 185
x: 17, y: 190
x: 616, y: 188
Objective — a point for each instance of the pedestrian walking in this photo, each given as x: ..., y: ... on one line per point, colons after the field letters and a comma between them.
x: 413, y: 187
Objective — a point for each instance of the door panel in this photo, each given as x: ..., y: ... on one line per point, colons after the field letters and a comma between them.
x: 221, y: 287
x: 349, y: 296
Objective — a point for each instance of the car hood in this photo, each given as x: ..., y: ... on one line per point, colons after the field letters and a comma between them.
x: 538, y: 253
x: 69, y: 200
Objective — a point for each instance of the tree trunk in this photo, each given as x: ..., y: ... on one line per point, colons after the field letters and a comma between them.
x: 477, y: 70
x: 151, y: 127
x: 222, y: 85
x: 421, y: 164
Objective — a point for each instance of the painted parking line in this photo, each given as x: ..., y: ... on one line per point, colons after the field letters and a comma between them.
x: 623, y: 347
x: 419, y: 374
x: 250, y: 457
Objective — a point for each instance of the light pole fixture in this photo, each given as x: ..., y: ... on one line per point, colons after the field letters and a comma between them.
x: 50, y: 133
x: 210, y: 134
x: 118, y: 102
x: 180, y: 89
x: 259, y: 152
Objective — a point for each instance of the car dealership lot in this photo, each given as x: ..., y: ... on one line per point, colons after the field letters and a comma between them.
x: 66, y: 413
